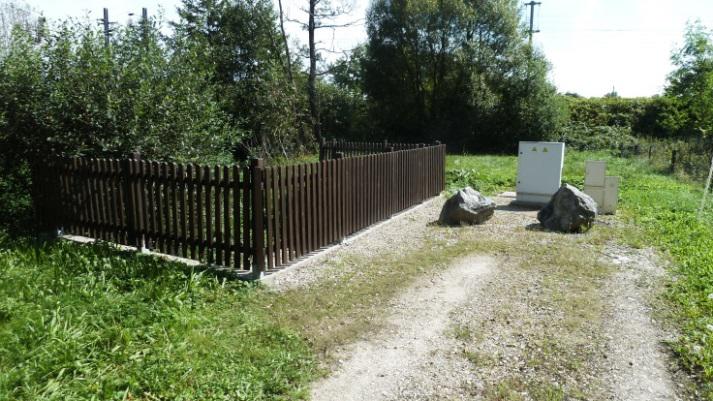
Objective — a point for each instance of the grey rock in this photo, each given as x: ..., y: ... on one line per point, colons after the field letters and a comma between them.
x: 569, y: 210
x: 467, y: 206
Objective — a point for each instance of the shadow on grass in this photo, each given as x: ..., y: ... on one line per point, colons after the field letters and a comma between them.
x: 136, y: 265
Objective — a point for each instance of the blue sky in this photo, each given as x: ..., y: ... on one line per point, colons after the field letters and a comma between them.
x: 593, y: 45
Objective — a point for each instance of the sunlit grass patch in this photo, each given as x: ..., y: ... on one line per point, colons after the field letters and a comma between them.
x: 86, y: 322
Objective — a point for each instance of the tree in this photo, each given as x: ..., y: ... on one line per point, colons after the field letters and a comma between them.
x: 456, y: 70
x: 612, y: 95
x: 70, y: 95
x: 345, y: 107
x: 15, y: 15
x: 321, y: 14
x: 691, y: 83
x: 243, y: 49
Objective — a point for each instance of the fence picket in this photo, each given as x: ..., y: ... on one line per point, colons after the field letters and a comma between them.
x: 227, y: 238
x: 283, y: 217
x: 291, y: 212
x: 184, y: 211
x: 277, y: 211
x: 192, y: 232
x: 269, y: 216
x: 301, y: 209
x: 218, y: 196
x: 237, y: 241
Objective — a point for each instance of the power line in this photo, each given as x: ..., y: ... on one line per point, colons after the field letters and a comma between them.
x: 624, y: 30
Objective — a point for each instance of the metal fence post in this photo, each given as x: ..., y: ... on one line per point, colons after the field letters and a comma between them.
x: 258, y: 246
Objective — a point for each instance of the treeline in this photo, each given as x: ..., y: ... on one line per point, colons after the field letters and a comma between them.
x: 658, y: 128
x: 224, y: 83
x: 683, y: 113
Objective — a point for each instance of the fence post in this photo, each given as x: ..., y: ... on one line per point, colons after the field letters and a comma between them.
x: 44, y: 192
x: 442, y: 166
x: 258, y: 249
x: 130, y: 194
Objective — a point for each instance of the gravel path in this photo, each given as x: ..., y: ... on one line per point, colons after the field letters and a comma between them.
x: 400, y: 234
x: 638, y: 367
x: 383, y: 367
x: 530, y: 316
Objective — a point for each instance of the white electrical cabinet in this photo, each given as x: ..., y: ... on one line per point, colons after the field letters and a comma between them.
x: 539, y: 171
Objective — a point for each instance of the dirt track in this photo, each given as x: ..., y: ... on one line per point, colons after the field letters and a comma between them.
x: 539, y: 316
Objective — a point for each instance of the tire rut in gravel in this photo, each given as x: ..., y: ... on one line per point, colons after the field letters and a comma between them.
x: 416, y: 333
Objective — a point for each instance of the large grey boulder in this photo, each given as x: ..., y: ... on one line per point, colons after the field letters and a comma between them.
x: 467, y: 206
x: 570, y: 210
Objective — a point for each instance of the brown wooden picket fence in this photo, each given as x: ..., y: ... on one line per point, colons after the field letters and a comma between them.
x: 257, y: 218
x: 189, y: 210
x: 328, y: 150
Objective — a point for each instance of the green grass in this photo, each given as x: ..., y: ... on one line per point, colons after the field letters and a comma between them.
x: 664, y: 208
x: 85, y: 322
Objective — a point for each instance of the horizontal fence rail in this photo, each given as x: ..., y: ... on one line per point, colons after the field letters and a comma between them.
x: 328, y: 150
x: 254, y: 218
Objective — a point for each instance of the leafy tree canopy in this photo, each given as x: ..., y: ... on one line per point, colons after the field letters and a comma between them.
x: 245, y: 53
x: 691, y: 83
x: 456, y: 70
x: 69, y: 94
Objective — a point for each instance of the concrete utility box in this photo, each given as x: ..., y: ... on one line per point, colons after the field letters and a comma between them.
x: 539, y: 171
x: 597, y: 193
x: 602, y: 188
x: 611, y: 194
x: 595, y: 172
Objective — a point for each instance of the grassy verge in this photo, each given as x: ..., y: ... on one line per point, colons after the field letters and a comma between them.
x: 84, y: 322
x: 664, y: 208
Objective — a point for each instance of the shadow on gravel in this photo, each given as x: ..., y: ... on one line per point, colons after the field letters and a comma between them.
x: 535, y: 227
x: 514, y: 207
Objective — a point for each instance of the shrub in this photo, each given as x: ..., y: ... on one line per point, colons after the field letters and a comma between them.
x: 618, y: 140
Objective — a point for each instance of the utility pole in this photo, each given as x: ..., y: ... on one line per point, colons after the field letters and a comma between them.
x: 145, y: 26
x: 105, y: 21
x: 41, y: 24
x: 532, y: 5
